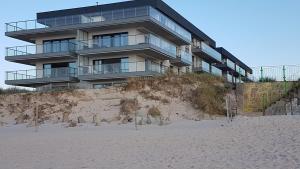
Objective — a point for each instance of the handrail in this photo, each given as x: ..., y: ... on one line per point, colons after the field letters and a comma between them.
x: 101, y: 16
x: 122, y: 67
x: 40, y: 49
x: 131, y: 40
x: 41, y: 73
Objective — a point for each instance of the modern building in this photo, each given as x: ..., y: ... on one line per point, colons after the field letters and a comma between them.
x: 96, y: 46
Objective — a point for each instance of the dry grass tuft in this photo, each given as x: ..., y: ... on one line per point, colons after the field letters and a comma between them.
x: 209, y: 98
x: 154, y: 112
x: 128, y: 106
x: 205, y: 91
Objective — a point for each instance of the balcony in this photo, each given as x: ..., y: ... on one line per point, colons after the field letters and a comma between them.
x: 183, y: 59
x: 28, y: 54
x: 120, y: 70
x: 207, y: 53
x: 39, y: 77
x: 144, y: 44
x: 146, y: 17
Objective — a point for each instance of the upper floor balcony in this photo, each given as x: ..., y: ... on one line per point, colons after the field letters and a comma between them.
x: 120, y: 70
x: 28, y: 54
x: 148, y: 45
x: 207, y: 53
x: 183, y: 59
x: 145, y: 45
x: 145, y: 17
x: 39, y: 77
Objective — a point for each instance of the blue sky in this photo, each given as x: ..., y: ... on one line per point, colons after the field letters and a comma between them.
x: 259, y: 32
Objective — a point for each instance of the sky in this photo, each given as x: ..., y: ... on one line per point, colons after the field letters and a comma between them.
x: 258, y: 32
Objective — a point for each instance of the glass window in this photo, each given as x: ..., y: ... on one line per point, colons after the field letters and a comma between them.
x: 117, y: 40
x: 72, y: 68
x: 124, y: 39
x: 112, y: 40
x: 47, y: 70
x: 97, y: 67
x: 62, y: 45
x: 47, y: 46
x: 124, y: 65
x: 106, y: 41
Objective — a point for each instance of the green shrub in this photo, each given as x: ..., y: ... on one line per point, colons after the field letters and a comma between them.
x: 267, y: 79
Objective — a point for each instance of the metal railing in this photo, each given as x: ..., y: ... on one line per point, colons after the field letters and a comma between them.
x: 276, y: 73
x: 40, y: 49
x: 120, y: 68
x: 41, y: 73
x: 100, y: 16
x: 209, y: 51
x: 129, y: 40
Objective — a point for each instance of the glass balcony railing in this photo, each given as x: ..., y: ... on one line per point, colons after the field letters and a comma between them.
x: 205, y: 66
x: 240, y: 70
x: 216, y: 71
x: 41, y: 73
x: 211, y: 52
x: 186, y: 57
x: 230, y: 64
x: 129, y: 40
x: 101, y: 16
x: 40, y: 49
x: 123, y: 67
x: 155, y: 14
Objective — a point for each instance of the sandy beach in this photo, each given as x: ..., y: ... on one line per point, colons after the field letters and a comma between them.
x: 246, y: 143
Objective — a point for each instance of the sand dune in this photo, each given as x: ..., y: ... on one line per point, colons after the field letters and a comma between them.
x: 260, y: 142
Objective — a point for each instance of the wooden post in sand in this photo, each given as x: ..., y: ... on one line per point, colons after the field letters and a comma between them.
x: 227, y: 109
x: 135, y: 120
x: 36, y: 116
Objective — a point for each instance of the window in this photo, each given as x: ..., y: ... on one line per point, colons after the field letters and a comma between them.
x: 124, y: 65
x: 111, y: 40
x: 62, y: 69
x: 47, y: 70
x: 60, y: 45
x: 116, y: 65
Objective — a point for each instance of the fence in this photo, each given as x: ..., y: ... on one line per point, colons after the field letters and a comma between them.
x: 276, y: 73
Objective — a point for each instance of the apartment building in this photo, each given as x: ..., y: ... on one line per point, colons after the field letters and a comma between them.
x: 102, y: 45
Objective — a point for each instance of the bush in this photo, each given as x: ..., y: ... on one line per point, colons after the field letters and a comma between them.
x: 13, y: 91
x: 154, y: 112
x: 128, y: 106
x: 267, y: 79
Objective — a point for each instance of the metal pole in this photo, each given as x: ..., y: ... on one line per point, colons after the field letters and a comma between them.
x: 284, y: 79
x: 261, y: 74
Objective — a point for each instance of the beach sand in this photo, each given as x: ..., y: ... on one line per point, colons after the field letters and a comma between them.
x: 246, y: 143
